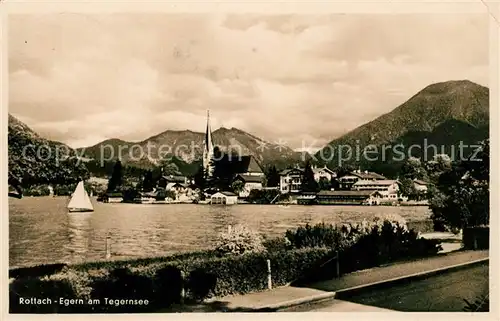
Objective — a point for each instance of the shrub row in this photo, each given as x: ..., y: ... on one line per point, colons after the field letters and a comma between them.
x: 161, y: 283
x: 423, y: 226
x: 364, y: 245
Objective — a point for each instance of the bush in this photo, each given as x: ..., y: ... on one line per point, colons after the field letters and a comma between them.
x: 64, y: 190
x: 38, y: 190
x: 277, y: 244
x: 247, y: 273
x: 264, y: 196
x: 239, y: 240
x: 33, y: 287
x: 365, y: 245
x: 383, y: 244
x: 320, y: 235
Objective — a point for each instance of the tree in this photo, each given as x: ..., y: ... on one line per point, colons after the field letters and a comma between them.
x: 200, y: 178
x: 170, y: 169
x: 238, y: 186
x: 147, y: 184
x: 324, y: 184
x: 334, y: 183
x: 223, y: 171
x: 462, y: 197
x: 273, y: 177
x: 115, y: 180
x: 440, y: 164
x: 309, y: 184
x: 413, y: 169
x: 407, y: 188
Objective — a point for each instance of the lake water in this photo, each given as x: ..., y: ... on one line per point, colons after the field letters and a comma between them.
x: 42, y: 231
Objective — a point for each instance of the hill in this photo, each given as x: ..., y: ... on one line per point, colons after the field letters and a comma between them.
x: 35, y: 160
x: 442, y: 114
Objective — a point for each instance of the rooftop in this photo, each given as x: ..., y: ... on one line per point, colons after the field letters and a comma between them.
x: 320, y: 169
x: 367, y: 175
x: 345, y: 193
x: 227, y: 193
x: 174, y: 178
x: 421, y: 182
x: 381, y: 182
x: 291, y: 170
x: 250, y: 178
x: 241, y: 164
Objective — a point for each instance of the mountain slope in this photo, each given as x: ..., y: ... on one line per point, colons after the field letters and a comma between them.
x: 35, y: 160
x: 187, y: 147
x: 447, y: 138
x: 462, y: 101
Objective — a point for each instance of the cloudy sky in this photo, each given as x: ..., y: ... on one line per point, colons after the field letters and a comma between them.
x: 81, y: 79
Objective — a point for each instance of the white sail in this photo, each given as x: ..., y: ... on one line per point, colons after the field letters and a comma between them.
x: 80, y: 200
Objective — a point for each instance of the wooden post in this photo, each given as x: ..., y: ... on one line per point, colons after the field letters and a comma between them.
x: 337, y: 264
x: 108, y: 247
x: 269, y: 279
x: 183, y: 289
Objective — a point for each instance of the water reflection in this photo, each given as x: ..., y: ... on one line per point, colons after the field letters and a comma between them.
x: 79, y: 236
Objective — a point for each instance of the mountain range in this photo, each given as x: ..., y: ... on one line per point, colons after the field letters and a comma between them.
x: 444, y: 114
x: 187, y: 147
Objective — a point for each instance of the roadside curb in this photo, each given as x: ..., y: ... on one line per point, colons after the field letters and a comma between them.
x: 296, y: 302
x: 348, y: 292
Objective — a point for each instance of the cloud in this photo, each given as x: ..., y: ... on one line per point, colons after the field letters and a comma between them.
x: 84, y: 78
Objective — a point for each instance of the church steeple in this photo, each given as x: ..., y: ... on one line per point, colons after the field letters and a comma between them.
x: 208, y: 150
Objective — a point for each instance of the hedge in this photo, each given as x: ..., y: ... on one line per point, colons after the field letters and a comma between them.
x: 422, y: 226
x: 161, y: 283
x: 476, y: 238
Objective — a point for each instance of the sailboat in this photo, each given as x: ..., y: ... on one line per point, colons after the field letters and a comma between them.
x: 80, y: 200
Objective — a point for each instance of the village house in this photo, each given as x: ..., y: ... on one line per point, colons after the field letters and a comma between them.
x: 111, y: 197
x: 245, y: 165
x: 388, y: 189
x: 247, y: 170
x: 184, y: 192
x: 224, y: 198
x: 291, y: 180
x: 166, y: 179
x: 347, y: 181
x: 348, y: 197
x: 250, y: 182
x: 323, y: 172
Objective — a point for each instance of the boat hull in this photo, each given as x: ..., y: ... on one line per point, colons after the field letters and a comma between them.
x: 79, y: 210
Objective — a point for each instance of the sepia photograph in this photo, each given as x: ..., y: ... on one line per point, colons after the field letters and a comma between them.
x: 166, y: 162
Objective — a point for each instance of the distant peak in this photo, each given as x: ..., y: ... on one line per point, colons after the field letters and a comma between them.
x: 450, y: 85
